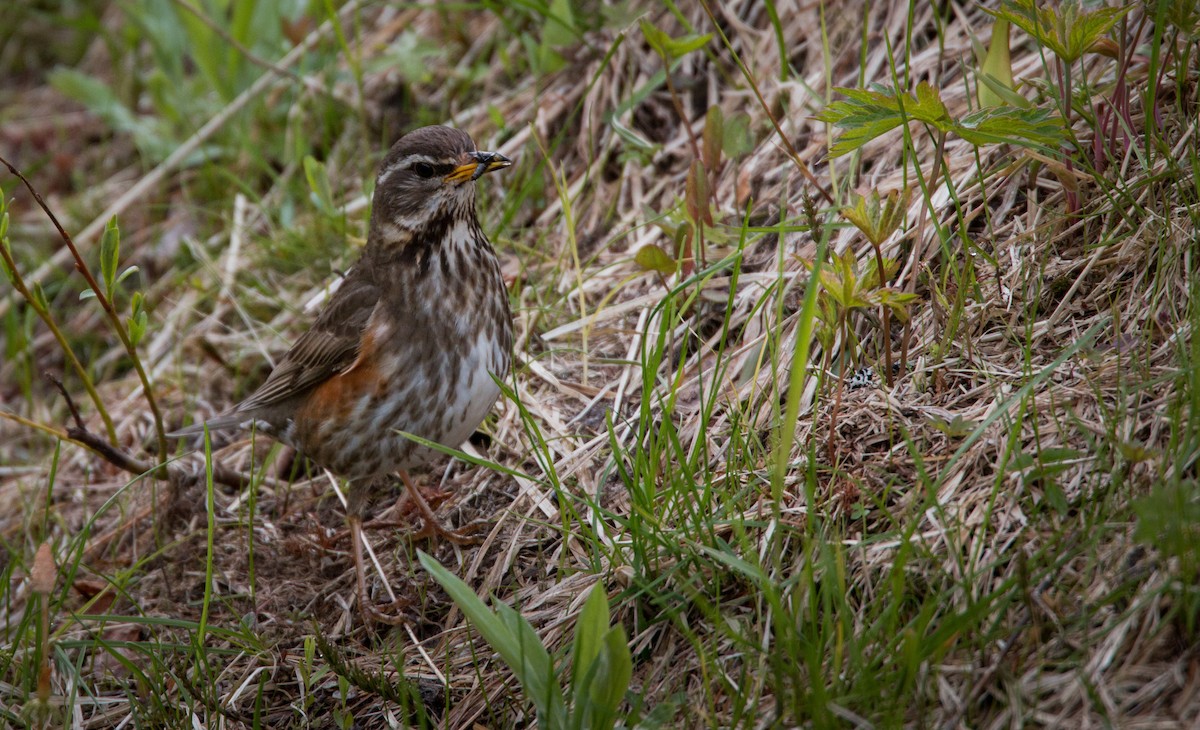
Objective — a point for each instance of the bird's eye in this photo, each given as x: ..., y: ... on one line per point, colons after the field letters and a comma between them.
x: 423, y: 169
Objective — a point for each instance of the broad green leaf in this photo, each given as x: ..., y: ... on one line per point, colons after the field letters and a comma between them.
x: 511, y: 636
x: 996, y: 66
x: 679, y: 47
x: 672, y: 48
x: 616, y: 669
x: 737, y: 140
x: 533, y: 667
x: 110, y: 252
x: 589, y: 631
x: 652, y: 258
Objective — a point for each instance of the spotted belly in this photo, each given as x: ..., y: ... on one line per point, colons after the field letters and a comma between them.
x: 351, y: 423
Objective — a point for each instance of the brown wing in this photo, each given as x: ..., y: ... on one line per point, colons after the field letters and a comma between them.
x: 325, y: 350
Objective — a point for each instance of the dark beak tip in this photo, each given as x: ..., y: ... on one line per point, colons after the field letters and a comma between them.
x: 489, y: 161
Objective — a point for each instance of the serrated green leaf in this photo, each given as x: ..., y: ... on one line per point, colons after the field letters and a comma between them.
x: 1036, y: 128
x: 875, y: 220
x: 652, y: 258
x: 1065, y: 28
x: 110, y: 252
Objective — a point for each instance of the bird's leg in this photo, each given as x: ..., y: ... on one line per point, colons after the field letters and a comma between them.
x: 356, y: 502
x: 431, y: 527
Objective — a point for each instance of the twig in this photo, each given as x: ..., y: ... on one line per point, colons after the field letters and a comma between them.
x: 109, y: 310
x: 812, y: 179
x: 138, y: 190
x: 124, y: 461
x: 35, y: 303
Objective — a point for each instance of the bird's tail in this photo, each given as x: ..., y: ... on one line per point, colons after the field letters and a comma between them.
x: 220, y: 423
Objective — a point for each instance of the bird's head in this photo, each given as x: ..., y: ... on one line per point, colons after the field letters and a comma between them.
x: 427, y: 179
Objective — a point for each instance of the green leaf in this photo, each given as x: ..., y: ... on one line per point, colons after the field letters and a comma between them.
x: 1065, y: 28
x: 39, y: 297
x: 1035, y: 128
x: 1004, y: 94
x: 558, y: 31
x: 653, y: 258
x: 875, y: 221
x: 997, y: 66
x: 128, y: 272
x: 869, y: 113
x: 318, y: 183
x: 679, y: 47
x: 110, y: 252
x: 714, y: 136
x: 137, y: 322
x: 589, y: 632
x: 511, y: 636
x: 672, y: 48
x: 614, y: 670
x: 737, y: 139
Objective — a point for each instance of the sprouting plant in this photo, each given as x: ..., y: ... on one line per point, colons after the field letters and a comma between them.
x: 601, y: 668
x: 845, y: 290
x: 877, y: 224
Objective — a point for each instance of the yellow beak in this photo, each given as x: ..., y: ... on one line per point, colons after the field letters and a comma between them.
x: 480, y: 163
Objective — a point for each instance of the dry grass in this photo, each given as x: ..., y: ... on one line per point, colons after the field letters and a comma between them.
x: 960, y: 554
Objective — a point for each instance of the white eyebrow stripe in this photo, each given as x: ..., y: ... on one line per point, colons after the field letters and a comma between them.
x: 405, y: 163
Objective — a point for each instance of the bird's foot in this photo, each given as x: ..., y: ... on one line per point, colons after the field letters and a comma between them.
x: 373, y: 613
x: 431, y: 529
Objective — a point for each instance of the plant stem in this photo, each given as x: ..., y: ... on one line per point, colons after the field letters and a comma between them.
x: 109, y: 311
x: 80, y: 370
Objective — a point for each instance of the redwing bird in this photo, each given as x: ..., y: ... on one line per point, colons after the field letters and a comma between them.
x: 411, y: 341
